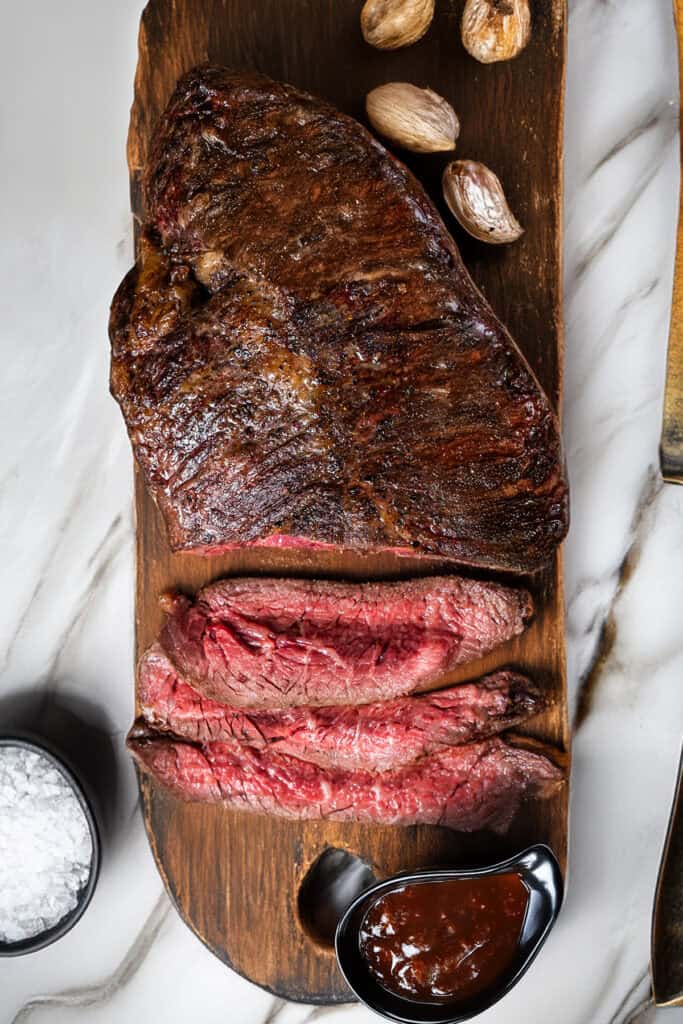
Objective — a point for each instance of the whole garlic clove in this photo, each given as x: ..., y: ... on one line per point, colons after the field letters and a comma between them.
x: 416, y: 119
x: 390, y: 24
x: 476, y: 199
x: 494, y: 30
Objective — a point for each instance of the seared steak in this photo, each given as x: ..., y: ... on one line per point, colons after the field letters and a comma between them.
x: 480, y: 785
x: 281, y: 642
x: 301, y: 357
x: 378, y: 736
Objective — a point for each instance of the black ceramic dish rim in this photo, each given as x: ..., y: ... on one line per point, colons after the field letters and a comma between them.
x: 40, y: 746
x: 421, y: 1013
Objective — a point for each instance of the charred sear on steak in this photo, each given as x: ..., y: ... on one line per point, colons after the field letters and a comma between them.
x: 379, y: 736
x: 281, y: 642
x: 476, y: 786
x: 301, y: 357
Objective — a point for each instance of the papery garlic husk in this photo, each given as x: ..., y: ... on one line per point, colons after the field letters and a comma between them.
x: 495, y: 30
x: 391, y: 24
x: 416, y: 119
x: 476, y: 199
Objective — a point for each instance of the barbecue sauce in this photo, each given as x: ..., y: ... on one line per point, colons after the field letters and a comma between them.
x: 443, y: 941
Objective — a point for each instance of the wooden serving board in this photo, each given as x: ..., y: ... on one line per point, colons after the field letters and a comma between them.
x: 234, y: 877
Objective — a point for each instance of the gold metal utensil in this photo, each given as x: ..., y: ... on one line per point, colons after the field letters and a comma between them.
x: 671, y: 449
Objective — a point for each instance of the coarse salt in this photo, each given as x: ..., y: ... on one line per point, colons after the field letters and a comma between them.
x: 45, y: 845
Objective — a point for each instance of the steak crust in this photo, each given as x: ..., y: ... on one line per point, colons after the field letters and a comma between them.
x: 301, y: 357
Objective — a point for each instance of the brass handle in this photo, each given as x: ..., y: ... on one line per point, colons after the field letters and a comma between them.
x: 671, y: 450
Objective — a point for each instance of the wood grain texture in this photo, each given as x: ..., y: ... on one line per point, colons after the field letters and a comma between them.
x: 671, y: 448
x: 235, y: 877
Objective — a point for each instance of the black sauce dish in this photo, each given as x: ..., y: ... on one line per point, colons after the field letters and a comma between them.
x: 66, y: 923
x: 541, y: 875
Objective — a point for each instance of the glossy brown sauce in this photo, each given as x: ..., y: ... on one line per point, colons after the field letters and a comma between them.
x: 437, y: 941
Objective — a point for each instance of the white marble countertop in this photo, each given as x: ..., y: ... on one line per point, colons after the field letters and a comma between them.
x: 67, y: 531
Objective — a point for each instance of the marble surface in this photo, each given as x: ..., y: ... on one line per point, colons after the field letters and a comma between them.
x: 67, y: 533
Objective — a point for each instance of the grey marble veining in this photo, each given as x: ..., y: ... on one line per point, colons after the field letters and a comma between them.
x: 67, y: 535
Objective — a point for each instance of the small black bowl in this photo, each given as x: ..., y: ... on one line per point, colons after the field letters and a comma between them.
x: 66, y: 923
x: 541, y: 874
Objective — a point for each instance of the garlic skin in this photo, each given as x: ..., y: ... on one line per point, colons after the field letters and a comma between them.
x: 391, y: 24
x: 476, y: 199
x: 495, y: 30
x: 416, y: 119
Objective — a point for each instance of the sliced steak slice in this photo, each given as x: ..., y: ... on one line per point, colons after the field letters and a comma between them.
x: 476, y: 786
x: 301, y: 357
x: 282, y: 642
x: 378, y: 736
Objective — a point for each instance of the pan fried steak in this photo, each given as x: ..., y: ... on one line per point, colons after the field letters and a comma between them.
x: 282, y: 642
x: 301, y: 357
x: 480, y: 785
x: 377, y: 736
